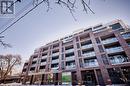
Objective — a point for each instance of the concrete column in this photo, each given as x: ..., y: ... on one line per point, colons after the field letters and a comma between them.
x: 123, y: 43
x: 78, y: 71
x: 104, y: 71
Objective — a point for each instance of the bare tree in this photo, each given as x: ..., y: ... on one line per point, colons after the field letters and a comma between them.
x: 71, y: 5
x: 2, y: 43
x: 7, y: 63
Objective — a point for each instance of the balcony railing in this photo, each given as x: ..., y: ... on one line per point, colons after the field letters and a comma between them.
x: 43, y: 63
x: 30, y: 72
x: 118, y: 59
x: 114, y: 50
x: 55, y: 61
x: 55, y: 68
x: 35, y: 59
x: 33, y: 65
x: 90, y: 54
x: 87, y: 46
x: 70, y: 58
x: 55, y: 54
x: 126, y: 36
x: 41, y: 70
x: 68, y: 67
x: 44, y: 57
x: 69, y: 50
x: 108, y: 41
x: 91, y: 64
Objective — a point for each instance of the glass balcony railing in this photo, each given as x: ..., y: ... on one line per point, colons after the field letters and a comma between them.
x: 114, y: 50
x: 68, y: 67
x: 91, y: 63
x: 55, y: 68
x: 87, y: 46
x: 70, y: 58
x: 108, y: 41
x: 31, y: 71
x: 69, y: 50
x: 55, y: 54
x: 44, y: 57
x: 90, y: 54
x: 41, y: 70
x: 43, y: 63
x: 33, y: 65
x: 118, y: 59
x: 55, y: 61
x: 126, y: 36
x: 35, y: 59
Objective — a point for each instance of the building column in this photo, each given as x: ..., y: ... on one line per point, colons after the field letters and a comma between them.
x: 78, y: 71
x: 123, y: 43
x: 60, y: 78
x: 102, y: 67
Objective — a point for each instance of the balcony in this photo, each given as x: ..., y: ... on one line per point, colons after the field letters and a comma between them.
x: 87, y: 46
x: 55, y: 54
x: 69, y: 50
x: 114, y: 50
x: 31, y: 72
x: 41, y: 70
x: 55, y: 61
x: 69, y: 67
x: 44, y: 57
x: 43, y: 63
x: 91, y: 63
x: 89, y: 54
x: 108, y: 41
x: 33, y: 65
x: 126, y: 36
x: 35, y: 59
x: 71, y: 58
x: 55, y: 68
x: 118, y: 59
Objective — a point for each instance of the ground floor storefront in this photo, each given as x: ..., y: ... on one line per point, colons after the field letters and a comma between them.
x: 118, y: 75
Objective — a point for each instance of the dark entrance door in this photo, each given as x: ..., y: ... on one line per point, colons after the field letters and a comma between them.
x: 31, y: 82
x: 100, y: 78
x: 89, y: 78
x: 55, y: 78
x: 42, y: 83
x: 116, y: 76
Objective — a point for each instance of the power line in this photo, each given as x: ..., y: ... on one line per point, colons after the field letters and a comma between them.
x: 9, y: 21
x: 21, y: 17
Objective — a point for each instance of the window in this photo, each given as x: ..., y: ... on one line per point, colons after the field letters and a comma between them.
x: 97, y: 26
x: 34, y: 62
x: 104, y: 58
x: 62, y: 49
x: 100, y: 48
x: 78, y: 46
x: 32, y: 68
x: 80, y: 63
x: 62, y: 56
x: 43, y: 60
x: 79, y: 53
x: 98, y: 40
x: 24, y: 70
x: 62, y: 65
x: 42, y: 67
x: 116, y: 26
x: 77, y: 39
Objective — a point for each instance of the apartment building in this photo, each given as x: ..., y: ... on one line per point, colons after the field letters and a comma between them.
x: 98, y: 55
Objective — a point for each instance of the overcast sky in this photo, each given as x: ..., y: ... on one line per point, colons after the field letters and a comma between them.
x: 41, y: 27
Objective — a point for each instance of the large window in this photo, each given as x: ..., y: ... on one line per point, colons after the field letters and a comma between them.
x: 116, y: 26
